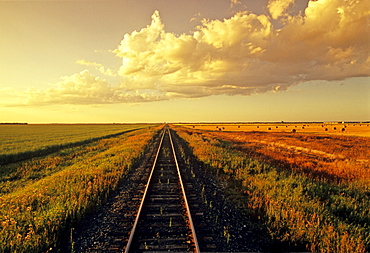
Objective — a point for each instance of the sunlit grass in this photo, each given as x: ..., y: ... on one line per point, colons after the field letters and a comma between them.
x: 324, y: 215
x: 18, y: 142
x: 42, y: 199
x: 329, y: 128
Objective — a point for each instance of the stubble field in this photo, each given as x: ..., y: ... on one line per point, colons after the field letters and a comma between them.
x: 310, y: 187
x: 333, y: 128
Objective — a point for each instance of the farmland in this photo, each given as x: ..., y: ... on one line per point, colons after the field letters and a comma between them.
x: 41, y: 198
x: 25, y: 141
x: 306, y: 189
x: 332, y: 128
x: 309, y: 188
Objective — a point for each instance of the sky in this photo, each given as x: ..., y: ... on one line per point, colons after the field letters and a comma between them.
x: 125, y: 61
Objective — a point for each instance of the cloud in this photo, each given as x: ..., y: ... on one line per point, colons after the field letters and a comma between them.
x: 245, y: 54
x: 213, y: 56
x: 10, y: 97
x: 84, y: 89
x: 278, y: 8
x: 196, y: 17
x: 234, y: 2
x: 98, y: 66
x: 241, y: 55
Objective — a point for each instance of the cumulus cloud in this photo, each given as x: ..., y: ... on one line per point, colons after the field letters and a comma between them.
x: 277, y: 8
x: 244, y: 54
x: 217, y: 54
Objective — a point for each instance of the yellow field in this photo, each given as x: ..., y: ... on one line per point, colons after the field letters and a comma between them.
x: 308, y: 188
x: 355, y: 129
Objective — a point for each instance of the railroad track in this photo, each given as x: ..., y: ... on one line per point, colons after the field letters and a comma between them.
x: 164, y: 221
x: 111, y: 229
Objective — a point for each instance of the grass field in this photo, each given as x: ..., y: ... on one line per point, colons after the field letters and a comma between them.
x: 309, y: 188
x: 18, y: 142
x: 42, y: 198
x: 353, y: 129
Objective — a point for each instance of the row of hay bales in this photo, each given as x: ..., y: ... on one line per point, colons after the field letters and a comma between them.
x: 323, y: 127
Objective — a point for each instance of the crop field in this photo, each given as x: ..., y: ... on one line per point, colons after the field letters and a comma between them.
x: 352, y: 129
x: 309, y: 188
x: 24, y: 141
x: 43, y: 197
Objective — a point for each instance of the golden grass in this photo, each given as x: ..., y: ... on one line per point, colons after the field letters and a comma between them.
x: 350, y: 129
x: 322, y: 156
x: 302, y: 197
x: 41, y: 199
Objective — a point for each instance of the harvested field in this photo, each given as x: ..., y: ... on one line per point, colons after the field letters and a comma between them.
x: 333, y: 156
x: 309, y: 189
x: 295, y: 191
x: 346, y: 129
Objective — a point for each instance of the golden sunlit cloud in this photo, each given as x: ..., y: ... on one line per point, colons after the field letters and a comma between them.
x: 244, y: 54
x: 83, y: 89
x: 100, y: 67
x: 277, y: 8
x: 234, y: 2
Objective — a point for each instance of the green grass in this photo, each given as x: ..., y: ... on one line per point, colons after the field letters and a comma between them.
x: 18, y: 142
x: 43, y: 198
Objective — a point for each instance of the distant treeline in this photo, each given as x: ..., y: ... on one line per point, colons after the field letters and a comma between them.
x: 14, y: 123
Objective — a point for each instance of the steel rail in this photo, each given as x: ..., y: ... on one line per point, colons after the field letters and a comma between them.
x: 184, y: 196
x: 144, y: 195
x: 191, y: 225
